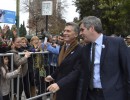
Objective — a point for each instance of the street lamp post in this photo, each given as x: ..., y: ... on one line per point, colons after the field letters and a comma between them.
x: 17, y: 15
x: 47, y: 10
x: 46, y: 23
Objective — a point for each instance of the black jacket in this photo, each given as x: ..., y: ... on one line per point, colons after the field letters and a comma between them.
x: 114, y: 70
x: 66, y: 76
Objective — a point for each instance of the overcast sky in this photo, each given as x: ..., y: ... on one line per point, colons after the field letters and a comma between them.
x: 71, y: 11
x: 11, y: 5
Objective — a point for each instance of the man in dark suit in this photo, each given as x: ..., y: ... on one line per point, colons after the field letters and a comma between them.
x: 105, y: 72
x: 65, y: 76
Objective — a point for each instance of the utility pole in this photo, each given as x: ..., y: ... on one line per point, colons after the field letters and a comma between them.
x: 17, y: 15
x: 46, y: 23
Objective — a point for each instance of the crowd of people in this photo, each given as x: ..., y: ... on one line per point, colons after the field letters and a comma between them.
x: 95, y: 67
x: 32, y: 68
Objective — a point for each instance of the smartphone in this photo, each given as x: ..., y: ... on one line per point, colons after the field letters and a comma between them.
x: 45, y: 40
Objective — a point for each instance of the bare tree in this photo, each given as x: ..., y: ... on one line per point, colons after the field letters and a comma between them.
x: 37, y: 21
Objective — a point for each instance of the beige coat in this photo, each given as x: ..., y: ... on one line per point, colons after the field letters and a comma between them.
x: 19, y: 60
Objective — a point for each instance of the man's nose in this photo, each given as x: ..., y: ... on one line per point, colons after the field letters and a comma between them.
x: 80, y: 33
x: 64, y: 33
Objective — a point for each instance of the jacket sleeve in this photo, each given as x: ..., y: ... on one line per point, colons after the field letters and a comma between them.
x: 54, y: 74
x: 125, y: 64
x: 19, y: 60
x: 9, y: 75
x: 71, y: 77
x: 128, y: 73
x: 54, y: 50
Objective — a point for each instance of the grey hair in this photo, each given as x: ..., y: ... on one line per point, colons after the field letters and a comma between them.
x: 75, y: 26
x: 92, y: 21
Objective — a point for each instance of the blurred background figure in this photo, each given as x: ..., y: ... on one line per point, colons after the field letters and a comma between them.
x: 127, y: 39
x: 53, y: 49
x: 60, y: 40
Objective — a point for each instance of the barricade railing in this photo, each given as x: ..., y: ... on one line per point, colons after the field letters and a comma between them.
x: 40, y: 90
x: 44, y: 54
x: 41, y: 95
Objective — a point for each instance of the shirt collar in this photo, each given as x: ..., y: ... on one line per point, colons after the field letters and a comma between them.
x: 99, y: 40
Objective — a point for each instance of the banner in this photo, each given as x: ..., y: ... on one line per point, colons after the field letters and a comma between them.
x: 7, y: 16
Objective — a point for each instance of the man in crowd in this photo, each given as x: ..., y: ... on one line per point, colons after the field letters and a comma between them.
x: 105, y: 66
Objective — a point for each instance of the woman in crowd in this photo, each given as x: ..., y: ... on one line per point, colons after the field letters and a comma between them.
x: 19, y: 60
x: 38, y: 64
x: 6, y: 75
x: 28, y: 79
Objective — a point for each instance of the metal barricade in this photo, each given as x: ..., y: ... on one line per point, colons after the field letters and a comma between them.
x: 42, y: 94
x: 39, y: 89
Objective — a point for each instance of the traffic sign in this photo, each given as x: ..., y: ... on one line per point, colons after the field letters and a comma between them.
x: 47, y: 8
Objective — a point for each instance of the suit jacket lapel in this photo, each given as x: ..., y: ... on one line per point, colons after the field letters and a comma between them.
x: 89, y: 53
x: 86, y: 54
x: 104, y: 50
x: 67, y: 57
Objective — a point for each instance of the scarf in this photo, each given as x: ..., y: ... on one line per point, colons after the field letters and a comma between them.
x: 64, y: 53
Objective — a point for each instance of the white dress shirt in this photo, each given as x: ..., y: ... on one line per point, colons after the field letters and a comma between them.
x: 98, y: 49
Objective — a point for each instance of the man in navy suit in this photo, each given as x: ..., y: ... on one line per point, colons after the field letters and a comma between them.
x: 111, y: 70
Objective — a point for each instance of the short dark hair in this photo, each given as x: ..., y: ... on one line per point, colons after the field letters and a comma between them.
x: 75, y: 26
x: 92, y: 21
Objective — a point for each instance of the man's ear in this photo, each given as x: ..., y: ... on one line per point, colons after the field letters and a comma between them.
x: 92, y: 29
